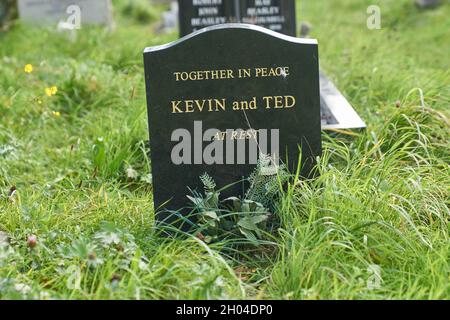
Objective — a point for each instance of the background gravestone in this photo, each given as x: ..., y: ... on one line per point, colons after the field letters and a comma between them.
x: 5, y: 9
x: 426, y: 4
x: 195, y: 15
x: 170, y: 18
x: 54, y: 11
x: 276, y: 15
x: 232, y: 48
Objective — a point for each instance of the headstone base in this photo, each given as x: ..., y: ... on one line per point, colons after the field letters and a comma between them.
x: 336, y: 111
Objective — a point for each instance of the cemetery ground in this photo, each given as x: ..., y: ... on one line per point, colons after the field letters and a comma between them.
x: 76, y: 216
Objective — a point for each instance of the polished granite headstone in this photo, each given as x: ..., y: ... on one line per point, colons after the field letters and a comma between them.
x: 276, y: 15
x: 216, y: 88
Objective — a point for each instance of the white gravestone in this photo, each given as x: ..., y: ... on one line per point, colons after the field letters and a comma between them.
x: 74, y: 12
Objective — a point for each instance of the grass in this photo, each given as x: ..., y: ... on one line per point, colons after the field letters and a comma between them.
x: 84, y: 190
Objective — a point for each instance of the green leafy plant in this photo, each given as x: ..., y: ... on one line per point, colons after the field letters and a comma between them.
x: 236, y: 217
x: 266, y: 181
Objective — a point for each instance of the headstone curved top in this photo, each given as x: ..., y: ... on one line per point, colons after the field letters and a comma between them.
x: 231, y: 26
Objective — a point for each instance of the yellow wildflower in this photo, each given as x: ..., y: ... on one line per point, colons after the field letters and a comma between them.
x: 51, y: 91
x: 28, y: 68
x: 56, y: 113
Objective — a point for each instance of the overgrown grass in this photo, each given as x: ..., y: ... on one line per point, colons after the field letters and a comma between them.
x: 84, y: 190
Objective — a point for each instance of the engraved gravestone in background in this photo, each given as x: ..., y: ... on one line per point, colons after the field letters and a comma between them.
x: 197, y: 14
x: 227, y: 78
x: 276, y: 15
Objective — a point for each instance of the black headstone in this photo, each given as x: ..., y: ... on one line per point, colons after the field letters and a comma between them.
x: 227, y: 84
x: 276, y: 15
x: 197, y: 14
